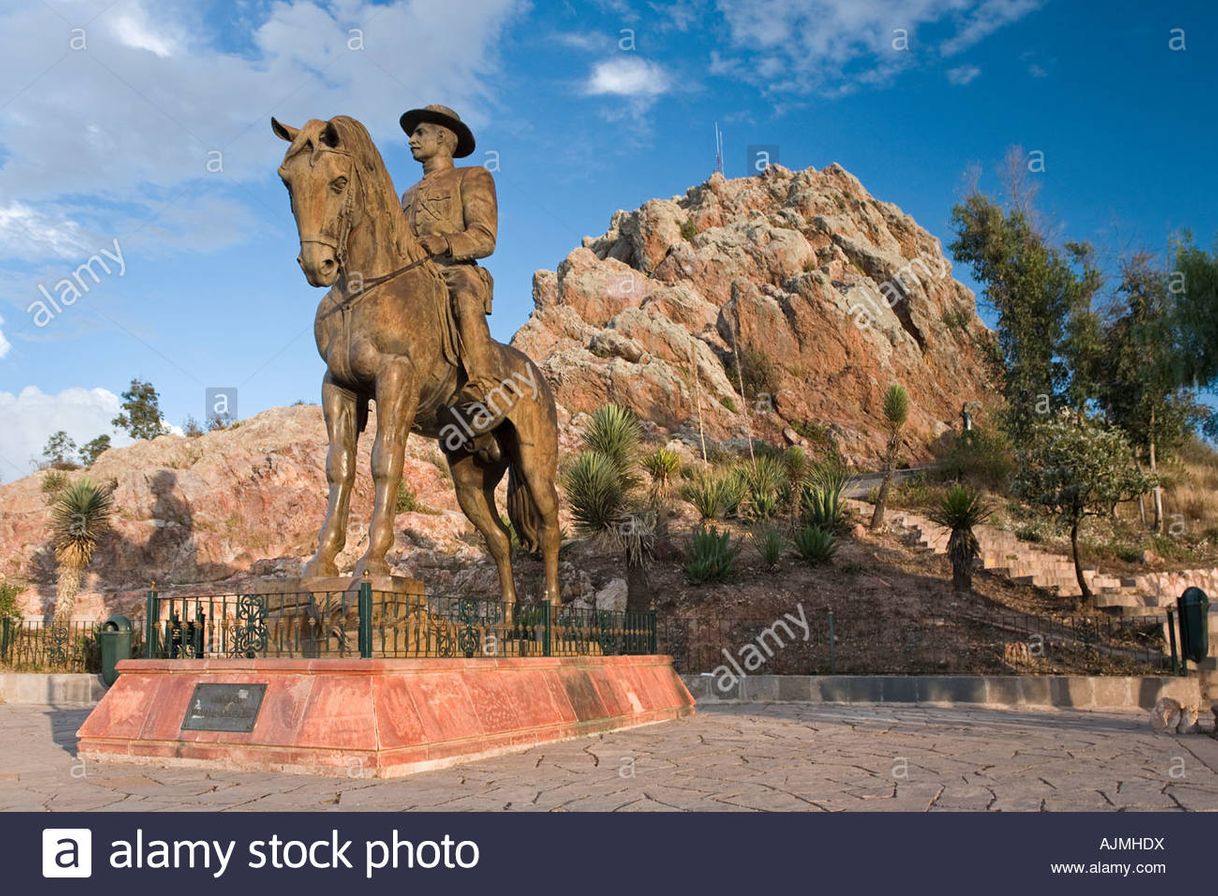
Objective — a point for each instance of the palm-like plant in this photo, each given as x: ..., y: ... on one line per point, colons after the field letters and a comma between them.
x: 596, y: 491
x: 614, y: 431
x: 663, y: 466
x: 80, y: 514
x: 896, y: 412
x: 960, y: 510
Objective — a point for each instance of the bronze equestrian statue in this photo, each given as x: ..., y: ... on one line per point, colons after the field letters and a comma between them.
x: 403, y: 323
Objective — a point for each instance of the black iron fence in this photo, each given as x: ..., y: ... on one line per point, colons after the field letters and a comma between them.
x: 35, y: 646
x: 371, y: 623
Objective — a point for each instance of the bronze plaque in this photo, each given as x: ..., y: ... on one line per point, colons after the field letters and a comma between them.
x: 224, y: 707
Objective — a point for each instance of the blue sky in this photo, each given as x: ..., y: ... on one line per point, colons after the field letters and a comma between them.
x: 149, y: 124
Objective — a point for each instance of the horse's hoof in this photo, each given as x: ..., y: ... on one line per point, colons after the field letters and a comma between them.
x: 320, y: 569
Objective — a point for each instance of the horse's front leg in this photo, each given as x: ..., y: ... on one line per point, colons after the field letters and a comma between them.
x: 339, y: 408
x: 396, y: 401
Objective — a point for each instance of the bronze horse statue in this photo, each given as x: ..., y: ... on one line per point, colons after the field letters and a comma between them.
x: 386, y: 332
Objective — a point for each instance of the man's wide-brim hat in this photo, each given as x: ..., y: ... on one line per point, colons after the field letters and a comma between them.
x: 442, y: 115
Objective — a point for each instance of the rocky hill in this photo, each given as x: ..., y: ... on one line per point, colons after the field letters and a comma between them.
x: 800, y: 285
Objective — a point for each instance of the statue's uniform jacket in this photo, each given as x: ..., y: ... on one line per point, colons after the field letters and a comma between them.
x: 460, y: 205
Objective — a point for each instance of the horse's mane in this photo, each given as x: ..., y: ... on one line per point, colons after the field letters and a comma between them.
x: 381, y: 202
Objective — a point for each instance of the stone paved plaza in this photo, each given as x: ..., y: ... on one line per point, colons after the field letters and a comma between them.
x: 775, y: 757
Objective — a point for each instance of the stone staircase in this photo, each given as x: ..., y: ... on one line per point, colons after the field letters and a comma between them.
x: 1026, y: 564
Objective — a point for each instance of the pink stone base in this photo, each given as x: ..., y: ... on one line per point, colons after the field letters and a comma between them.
x: 378, y: 718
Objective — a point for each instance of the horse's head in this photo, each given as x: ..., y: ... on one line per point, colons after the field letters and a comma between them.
x: 320, y: 174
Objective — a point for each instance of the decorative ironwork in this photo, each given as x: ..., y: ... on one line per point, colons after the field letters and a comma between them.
x: 57, y: 649
x: 250, y: 634
x: 609, y: 640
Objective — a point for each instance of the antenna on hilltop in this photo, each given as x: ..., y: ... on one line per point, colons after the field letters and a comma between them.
x: 718, y: 148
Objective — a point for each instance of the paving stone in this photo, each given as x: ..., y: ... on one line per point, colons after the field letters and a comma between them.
x: 745, y: 757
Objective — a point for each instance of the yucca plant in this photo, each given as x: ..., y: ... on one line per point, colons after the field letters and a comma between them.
x: 614, y: 431
x: 896, y: 412
x: 635, y: 536
x: 663, y: 466
x: 769, y: 542
x: 960, y: 510
x: 80, y: 514
x: 594, y: 486
x: 815, y: 546
x: 712, y: 556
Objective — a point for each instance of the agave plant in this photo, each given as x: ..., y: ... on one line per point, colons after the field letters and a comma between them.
x: 766, y: 480
x: 769, y: 542
x: 815, y: 545
x: 80, y: 514
x: 821, y: 497
x: 712, y: 556
x: 708, y: 492
x: 960, y: 510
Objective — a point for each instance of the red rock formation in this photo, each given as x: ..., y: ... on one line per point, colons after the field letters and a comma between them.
x: 831, y: 294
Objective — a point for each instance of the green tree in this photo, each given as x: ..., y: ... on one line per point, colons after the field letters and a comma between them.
x: 79, y: 516
x: 141, y: 412
x: 94, y: 449
x: 896, y: 413
x: 60, y: 451
x: 1194, y: 289
x: 1139, y: 391
x: 1073, y: 467
x: 1043, y: 299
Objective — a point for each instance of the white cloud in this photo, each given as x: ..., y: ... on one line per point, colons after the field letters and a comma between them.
x: 134, y: 30
x: 27, y: 233
x: 962, y: 74
x: 628, y: 76
x: 137, y: 113
x: 5, y: 345
x: 985, y: 19
x: 836, y: 46
x: 32, y: 416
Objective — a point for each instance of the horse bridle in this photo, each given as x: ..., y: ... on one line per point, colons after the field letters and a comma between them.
x: 339, y: 245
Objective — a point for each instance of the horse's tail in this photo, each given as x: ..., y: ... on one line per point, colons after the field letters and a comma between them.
x: 523, y: 511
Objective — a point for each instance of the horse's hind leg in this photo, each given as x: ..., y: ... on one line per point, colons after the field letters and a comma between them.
x: 339, y: 406
x: 537, y: 469
x: 475, y: 483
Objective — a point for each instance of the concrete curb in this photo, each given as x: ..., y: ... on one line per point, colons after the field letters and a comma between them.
x: 1057, y: 691
x: 60, y: 690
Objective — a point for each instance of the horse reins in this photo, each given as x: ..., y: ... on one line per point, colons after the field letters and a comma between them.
x: 339, y: 246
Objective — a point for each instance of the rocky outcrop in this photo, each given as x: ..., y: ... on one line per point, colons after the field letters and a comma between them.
x: 245, y: 502
x: 800, y: 284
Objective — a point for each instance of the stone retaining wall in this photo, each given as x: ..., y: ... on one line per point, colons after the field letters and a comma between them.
x: 1061, y: 691
x: 51, y: 689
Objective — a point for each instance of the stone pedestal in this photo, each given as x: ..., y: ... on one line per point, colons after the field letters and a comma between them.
x: 375, y: 718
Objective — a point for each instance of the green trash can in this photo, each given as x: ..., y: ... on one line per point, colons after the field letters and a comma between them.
x: 115, y: 639
x: 1194, y: 609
